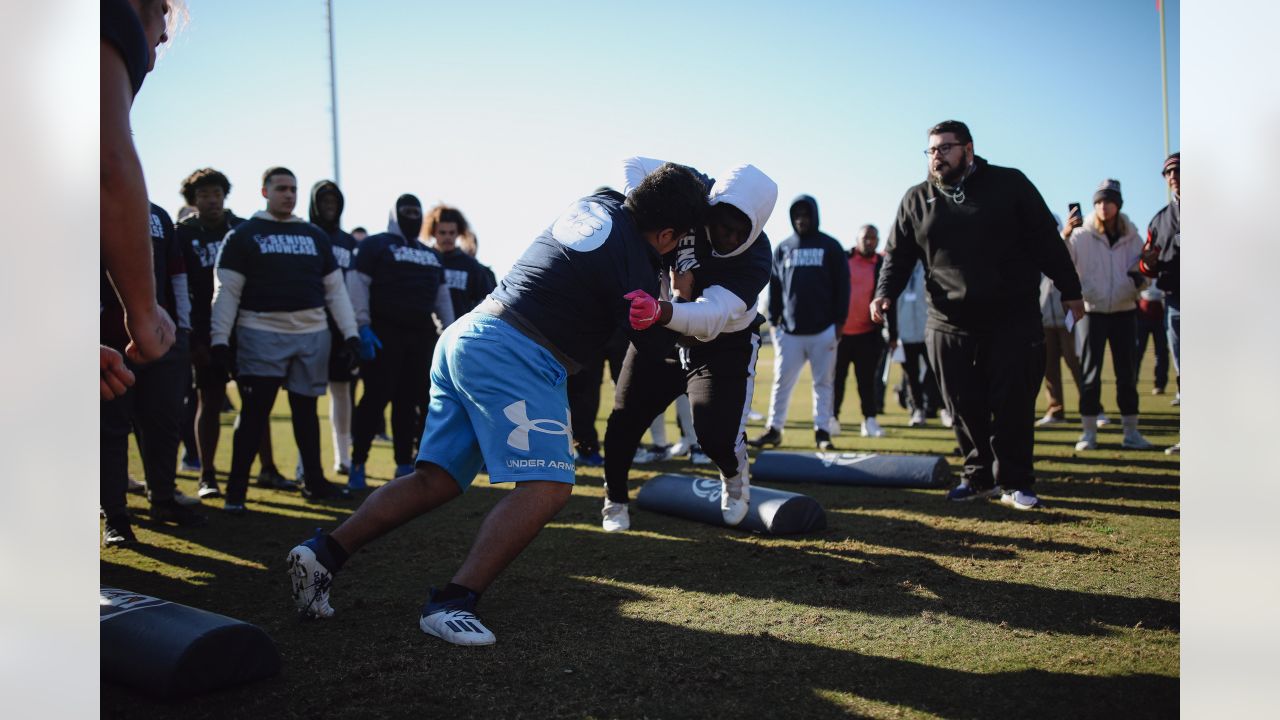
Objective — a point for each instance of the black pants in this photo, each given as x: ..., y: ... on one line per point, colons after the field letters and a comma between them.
x: 584, y: 394
x: 990, y: 383
x: 257, y: 397
x: 400, y: 374
x: 922, y: 385
x: 190, y: 402
x: 1094, y: 333
x: 864, y: 350
x: 152, y: 408
x: 1159, y: 333
x: 719, y: 380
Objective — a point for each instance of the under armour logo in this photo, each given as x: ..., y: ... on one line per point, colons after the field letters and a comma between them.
x: 829, y: 459
x: 708, y: 489
x: 519, y: 438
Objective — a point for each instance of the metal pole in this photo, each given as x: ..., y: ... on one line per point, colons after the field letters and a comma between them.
x: 333, y: 96
x: 1164, y: 82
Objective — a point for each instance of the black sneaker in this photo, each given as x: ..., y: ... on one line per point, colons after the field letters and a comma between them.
x: 169, y: 511
x: 208, y: 489
x: 771, y: 438
x: 325, y: 490
x: 823, y: 439
x: 273, y: 480
x: 118, y: 532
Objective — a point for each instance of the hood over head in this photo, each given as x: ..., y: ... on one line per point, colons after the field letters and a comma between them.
x: 812, y: 204
x: 325, y: 186
x: 751, y: 191
x: 398, y: 225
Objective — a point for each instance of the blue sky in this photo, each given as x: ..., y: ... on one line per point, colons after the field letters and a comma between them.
x: 510, y: 111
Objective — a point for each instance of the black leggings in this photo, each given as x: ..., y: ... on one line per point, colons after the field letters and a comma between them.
x: 719, y: 380
x: 864, y: 351
x: 1094, y: 333
x: 400, y: 374
x: 257, y: 396
x: 584, y: 393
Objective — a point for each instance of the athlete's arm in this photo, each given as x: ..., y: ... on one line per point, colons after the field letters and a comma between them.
x: 339, y: 304
x: 124, y: 216
x: 358, y: 293
x: 444, y: 306
x: 707, y: 316
x: 227, y: 287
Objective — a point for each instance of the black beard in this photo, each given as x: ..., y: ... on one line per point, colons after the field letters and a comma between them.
x: 950, y: 176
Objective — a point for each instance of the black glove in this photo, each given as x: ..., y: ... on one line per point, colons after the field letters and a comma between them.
x: 221, y: 356
x: 349, y: 353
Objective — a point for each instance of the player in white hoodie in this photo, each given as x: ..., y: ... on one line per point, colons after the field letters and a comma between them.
x: 717, y: 273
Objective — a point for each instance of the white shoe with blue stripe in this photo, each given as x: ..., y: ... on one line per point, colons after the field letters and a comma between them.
x: 454, y: 621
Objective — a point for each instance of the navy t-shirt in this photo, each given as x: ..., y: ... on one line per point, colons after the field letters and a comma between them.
x: 468, y: 283
x: 344, y: 249
x: 570, y: 282
x: 284, y: 264
x: 123, y: 30
x: 406, y: 277
x: 200, y: 247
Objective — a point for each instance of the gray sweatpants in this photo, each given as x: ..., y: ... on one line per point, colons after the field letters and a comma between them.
x: 789, y: 356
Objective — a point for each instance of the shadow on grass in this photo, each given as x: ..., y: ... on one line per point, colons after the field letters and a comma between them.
x: 916, y: 536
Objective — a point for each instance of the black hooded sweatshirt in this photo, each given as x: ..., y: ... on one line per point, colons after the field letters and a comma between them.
x: 983, y: 257
x: 809, y: 282
x: 344, y: 244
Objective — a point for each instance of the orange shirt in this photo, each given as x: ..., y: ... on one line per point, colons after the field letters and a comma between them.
x: 862, y: 285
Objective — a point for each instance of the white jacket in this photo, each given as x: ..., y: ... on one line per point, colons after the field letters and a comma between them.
x: 718, y: 310
x: 1104, y: 269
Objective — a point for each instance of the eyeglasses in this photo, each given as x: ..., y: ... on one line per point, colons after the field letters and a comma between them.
x: 942, y: 149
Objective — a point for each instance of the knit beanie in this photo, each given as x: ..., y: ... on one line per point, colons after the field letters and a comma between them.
x: 1109, y: 190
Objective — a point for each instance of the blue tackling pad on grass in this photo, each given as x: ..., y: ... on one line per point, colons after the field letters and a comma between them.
x: 772, y: 512
x: 849, y: 468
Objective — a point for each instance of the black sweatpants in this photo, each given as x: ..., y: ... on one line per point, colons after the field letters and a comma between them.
x: 864, y: 350
x: 922, y: 385
x: 400, y: 374
x: 719, y: 378
x: 990, y: 382
x: 257, y: 397
x: 1094, y: 333
x: 1159, y: 333
x: 584, y: 394
x: 152, y: 408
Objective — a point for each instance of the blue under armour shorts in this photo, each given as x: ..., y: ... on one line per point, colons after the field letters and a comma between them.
x: 498, y: 399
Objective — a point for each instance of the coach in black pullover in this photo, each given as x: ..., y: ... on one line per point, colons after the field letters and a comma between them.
x: 984, y: 235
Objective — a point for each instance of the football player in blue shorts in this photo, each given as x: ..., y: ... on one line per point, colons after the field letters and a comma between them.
x: 498, y: 395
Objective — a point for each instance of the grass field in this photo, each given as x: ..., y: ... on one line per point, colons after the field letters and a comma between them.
x: 906, y: 606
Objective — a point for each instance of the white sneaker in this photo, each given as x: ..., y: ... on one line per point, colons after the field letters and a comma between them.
x: 651, y: 454
x: 947, y: 420
x: 871, y: 428
x: 754, y: 416
x: 455, y: 622
x: 917, y: 419
x: 1134, y: 441
x: 1020, y: 500
x: 311, y: 581
x: 136, y: 487
x: 1087, y: 442
x: 1050, y: 420
x: 1175, y: 449
x: 697, y: 457
x: 616, y: 516
x: 1103, y: 420
x: 187, y: 500
x: 735, y: 495
x: 680, y: 449
x: 833, y: 427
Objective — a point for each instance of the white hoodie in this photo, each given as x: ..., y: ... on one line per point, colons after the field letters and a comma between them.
x: 718, y: 310
x: 1104, y: 268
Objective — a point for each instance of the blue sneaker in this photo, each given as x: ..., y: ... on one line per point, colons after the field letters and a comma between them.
x: 1021, y: 500
x: 190, y: 463
x: 964, y: 492
x: 402, y: 470
x: 454, y: 621
x: 310, y: 576
x: 594, y: 459
x: 355, y: 481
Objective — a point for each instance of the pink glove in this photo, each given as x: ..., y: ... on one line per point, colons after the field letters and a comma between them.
x: 644, y: 309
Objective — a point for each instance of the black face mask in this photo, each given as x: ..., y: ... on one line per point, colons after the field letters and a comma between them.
x: 411, y: 227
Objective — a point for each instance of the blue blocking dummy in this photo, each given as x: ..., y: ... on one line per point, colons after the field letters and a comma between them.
x: 172, y: 651
x: 772, y: 512
x: 848, y: 468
